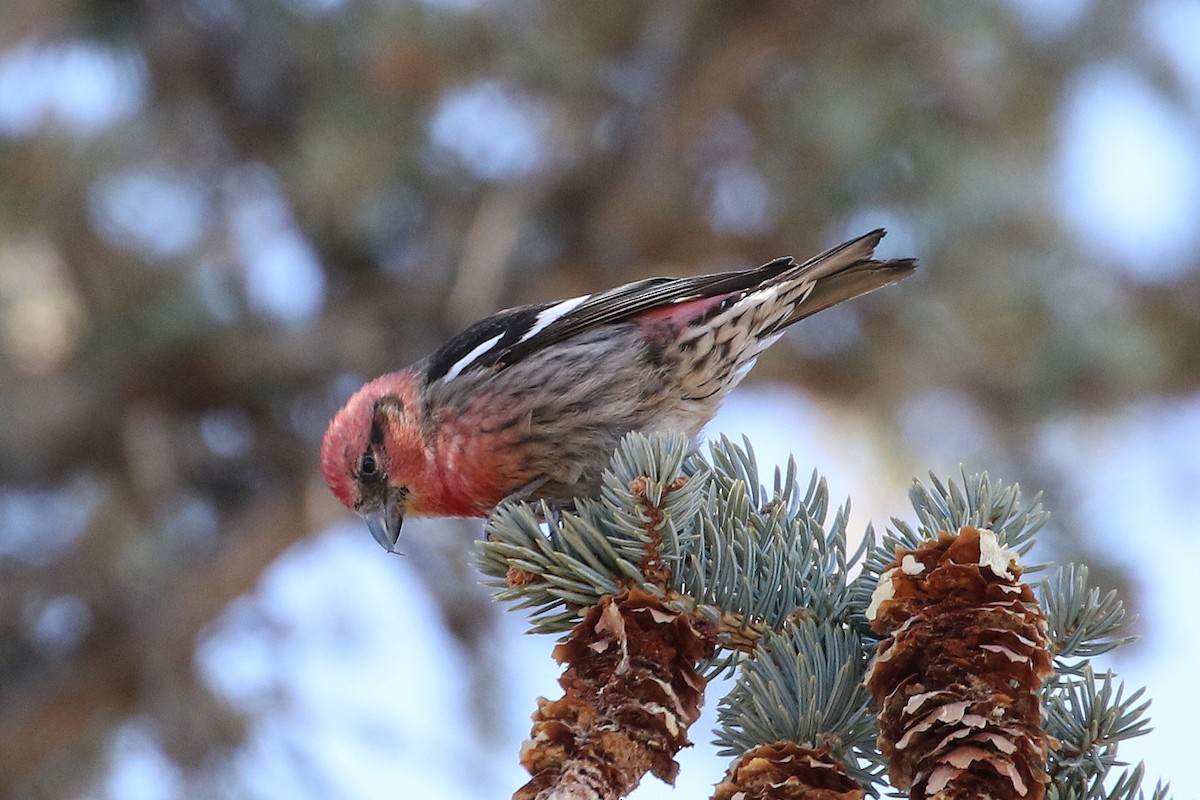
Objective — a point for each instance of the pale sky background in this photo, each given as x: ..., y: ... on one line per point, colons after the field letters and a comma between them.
x: 345, y: 710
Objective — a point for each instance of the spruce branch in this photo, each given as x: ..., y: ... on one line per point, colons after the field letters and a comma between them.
x: 802, y: 685
x: 707, y: 544
x: 1081, y: 624
x: 561, y: 567
x: 978, y: 503
x: 761, y: 556
x: 1090, y: 715
x: 1126, y: 786
x: 711, y: 539
x: 685, y: 565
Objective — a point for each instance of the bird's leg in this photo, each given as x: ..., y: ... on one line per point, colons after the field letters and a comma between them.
x: 525, y: 492
x: 550, y: 515
x: 553, y: 514
x: 547, y: 510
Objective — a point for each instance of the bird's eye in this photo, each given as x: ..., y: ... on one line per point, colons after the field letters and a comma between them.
x: 367, y: 466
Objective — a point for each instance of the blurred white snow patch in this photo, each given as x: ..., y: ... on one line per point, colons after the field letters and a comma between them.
x: 904, y: 237
x: 740, y: 201
x: 496, y: 131
x: 1128, y: 174
x: 78, y: 85
x: 839, y: 329
x: 38, y: 526
x: 283, y: 277
x: 945, y: 428
x: 154, y: 209
x: 455, y: 6
x: 1174, y: 26
x: 1135, y: 479
x: 139, y: 769
x: 316, y: 7
x: 226, y: 432
x: 1142, y: 472
x: 344, y: 665
x: 57, y: 623
x: 1048, y: 20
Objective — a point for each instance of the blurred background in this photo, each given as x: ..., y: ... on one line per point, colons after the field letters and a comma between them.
x: 219, y: 217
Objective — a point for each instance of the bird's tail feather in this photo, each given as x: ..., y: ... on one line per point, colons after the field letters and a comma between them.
x: 844, y: 272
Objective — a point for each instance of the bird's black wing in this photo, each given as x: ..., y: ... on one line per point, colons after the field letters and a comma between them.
x: 511, y: 335
x: 508, y: 337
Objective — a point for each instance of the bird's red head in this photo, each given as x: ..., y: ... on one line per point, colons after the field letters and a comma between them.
x: 374, y: 455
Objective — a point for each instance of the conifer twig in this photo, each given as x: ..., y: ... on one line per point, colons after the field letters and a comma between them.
x: 684, y: 567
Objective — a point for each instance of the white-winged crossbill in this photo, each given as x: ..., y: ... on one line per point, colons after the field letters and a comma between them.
x: 531, y: 402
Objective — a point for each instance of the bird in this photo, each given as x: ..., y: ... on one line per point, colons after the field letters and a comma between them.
x: 531, y: 402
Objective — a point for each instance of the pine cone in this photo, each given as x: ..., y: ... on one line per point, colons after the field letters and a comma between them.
x: 957, y: 677
x: 631, y: 692
x: 787, y: 771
